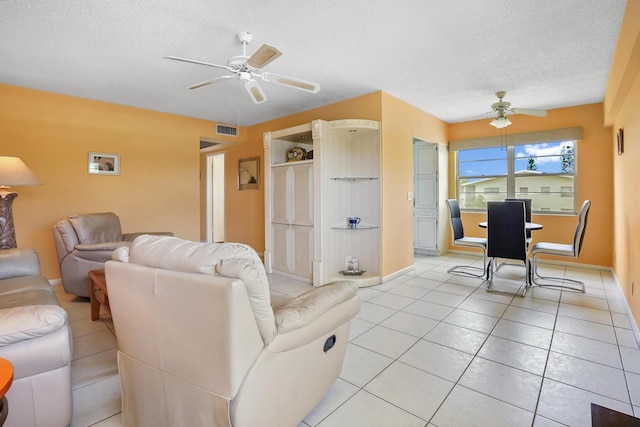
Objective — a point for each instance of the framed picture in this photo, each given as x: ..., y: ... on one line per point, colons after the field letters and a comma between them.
x: 104, y: 163
x: 249, y: 173
x: 620, y: 141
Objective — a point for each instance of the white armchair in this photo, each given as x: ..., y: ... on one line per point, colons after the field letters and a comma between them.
x: 199, y: 343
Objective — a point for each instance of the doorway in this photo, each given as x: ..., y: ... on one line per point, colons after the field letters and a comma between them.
x: 215, y: 198
x: 425, y: 203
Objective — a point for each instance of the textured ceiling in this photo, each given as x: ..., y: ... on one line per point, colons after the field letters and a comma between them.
x: 446, y: 58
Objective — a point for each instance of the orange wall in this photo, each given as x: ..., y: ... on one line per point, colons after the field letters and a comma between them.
x: 401, y: 123
x: 595, y: 178
x: 622, y: 110
x: 158, y: 185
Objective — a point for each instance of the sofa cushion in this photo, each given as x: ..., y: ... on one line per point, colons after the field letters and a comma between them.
x: 28, y: 322
x: 96, y: 227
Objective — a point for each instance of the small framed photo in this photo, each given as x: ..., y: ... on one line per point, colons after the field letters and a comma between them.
x: 104, y: 163
x: 249, y: 173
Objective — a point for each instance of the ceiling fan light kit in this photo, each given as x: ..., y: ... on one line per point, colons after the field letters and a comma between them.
x: 502, y: 108
x: 500, y: 122
x: 247, y: 68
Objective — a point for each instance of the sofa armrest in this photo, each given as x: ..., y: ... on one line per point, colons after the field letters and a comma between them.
x: 104, y: 246
x: 28, y: 322
x: 331, y: 310
x: 130, y: 237
x: 97, y: 252
x: 19, y: 262
x: 309, y: 306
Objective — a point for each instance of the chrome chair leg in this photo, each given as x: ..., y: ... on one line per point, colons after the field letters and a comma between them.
x: 469, y: 270
x: 493, y: 267
x: 580, y: 285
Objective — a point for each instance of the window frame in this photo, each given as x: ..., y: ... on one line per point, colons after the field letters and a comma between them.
x: 511, y: 179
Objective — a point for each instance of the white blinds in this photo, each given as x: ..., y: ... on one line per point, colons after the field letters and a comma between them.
x: 551, y: 135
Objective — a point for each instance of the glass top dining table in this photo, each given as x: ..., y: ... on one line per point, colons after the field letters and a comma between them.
x: 528, y: 225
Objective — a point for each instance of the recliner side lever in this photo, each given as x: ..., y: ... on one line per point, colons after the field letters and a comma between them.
x: 329, y: 343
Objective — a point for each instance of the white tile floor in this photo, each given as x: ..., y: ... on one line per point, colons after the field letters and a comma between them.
x: 434, y: 349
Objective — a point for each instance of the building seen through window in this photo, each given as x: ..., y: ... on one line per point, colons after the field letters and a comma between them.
x: 545, y: 173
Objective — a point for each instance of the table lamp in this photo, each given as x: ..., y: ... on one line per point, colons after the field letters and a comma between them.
x: 13, y: 172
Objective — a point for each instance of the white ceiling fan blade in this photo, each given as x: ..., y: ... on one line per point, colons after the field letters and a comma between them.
x: 305, y: 85
x: 263, y: 56
x: 529, y: 112
x: 255, y: 92
x: 210, y: 81
x: 193, y: 61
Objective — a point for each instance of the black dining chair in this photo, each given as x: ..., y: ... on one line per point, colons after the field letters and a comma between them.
x: 527, y: 209
x: 459, y: 239
x: 559, y: 249
x: 507, y: 238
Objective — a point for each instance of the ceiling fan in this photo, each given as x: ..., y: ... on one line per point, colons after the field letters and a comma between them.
x: 502, y: 108
x: 247, y: 69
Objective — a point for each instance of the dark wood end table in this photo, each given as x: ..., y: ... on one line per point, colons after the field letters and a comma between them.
x: 99, y: 294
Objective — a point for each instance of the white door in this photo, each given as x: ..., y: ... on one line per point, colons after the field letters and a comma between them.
x: 425, y: 204
x: 215, y: 198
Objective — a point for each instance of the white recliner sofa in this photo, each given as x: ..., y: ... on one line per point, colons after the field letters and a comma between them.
x: 200, y: 345
x: 35, y: 337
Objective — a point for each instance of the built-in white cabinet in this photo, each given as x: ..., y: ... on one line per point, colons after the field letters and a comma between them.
x: 292, y: 218
x: 307, y: 202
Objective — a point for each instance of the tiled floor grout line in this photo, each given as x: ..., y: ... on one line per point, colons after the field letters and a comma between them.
x: 546, y: 362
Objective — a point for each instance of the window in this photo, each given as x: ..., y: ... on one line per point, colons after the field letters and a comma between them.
x: 543, y: 172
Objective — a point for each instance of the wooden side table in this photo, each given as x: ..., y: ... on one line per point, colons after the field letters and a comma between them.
x: 99, y: 294
x: 6, y: 379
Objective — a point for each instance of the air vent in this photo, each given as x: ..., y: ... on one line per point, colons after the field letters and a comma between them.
x: 226, y: 130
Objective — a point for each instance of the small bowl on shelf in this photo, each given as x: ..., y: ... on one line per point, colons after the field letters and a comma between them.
x: 353, y: 272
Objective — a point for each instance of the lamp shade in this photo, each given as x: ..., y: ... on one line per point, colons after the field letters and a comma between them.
x: 500, y: 122
x: 13, y: 172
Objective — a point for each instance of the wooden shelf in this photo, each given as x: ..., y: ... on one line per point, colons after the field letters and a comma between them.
x: 298, y: 162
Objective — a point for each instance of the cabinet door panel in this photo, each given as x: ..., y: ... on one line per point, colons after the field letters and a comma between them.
x: 302, y: 194
x: 281, y: 247
x: 302, y: 251
x: 425, y: 232
x: 281, y: 190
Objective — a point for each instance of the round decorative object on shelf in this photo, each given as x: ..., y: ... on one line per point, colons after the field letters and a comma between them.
x: 296, y: 154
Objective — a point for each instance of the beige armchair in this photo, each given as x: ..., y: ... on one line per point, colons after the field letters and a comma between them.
x: 200, y: 345
x: 84, y: 243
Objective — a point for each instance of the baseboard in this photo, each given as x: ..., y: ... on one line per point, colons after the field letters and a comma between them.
x: 397, y: 274
x: 632, y: 320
